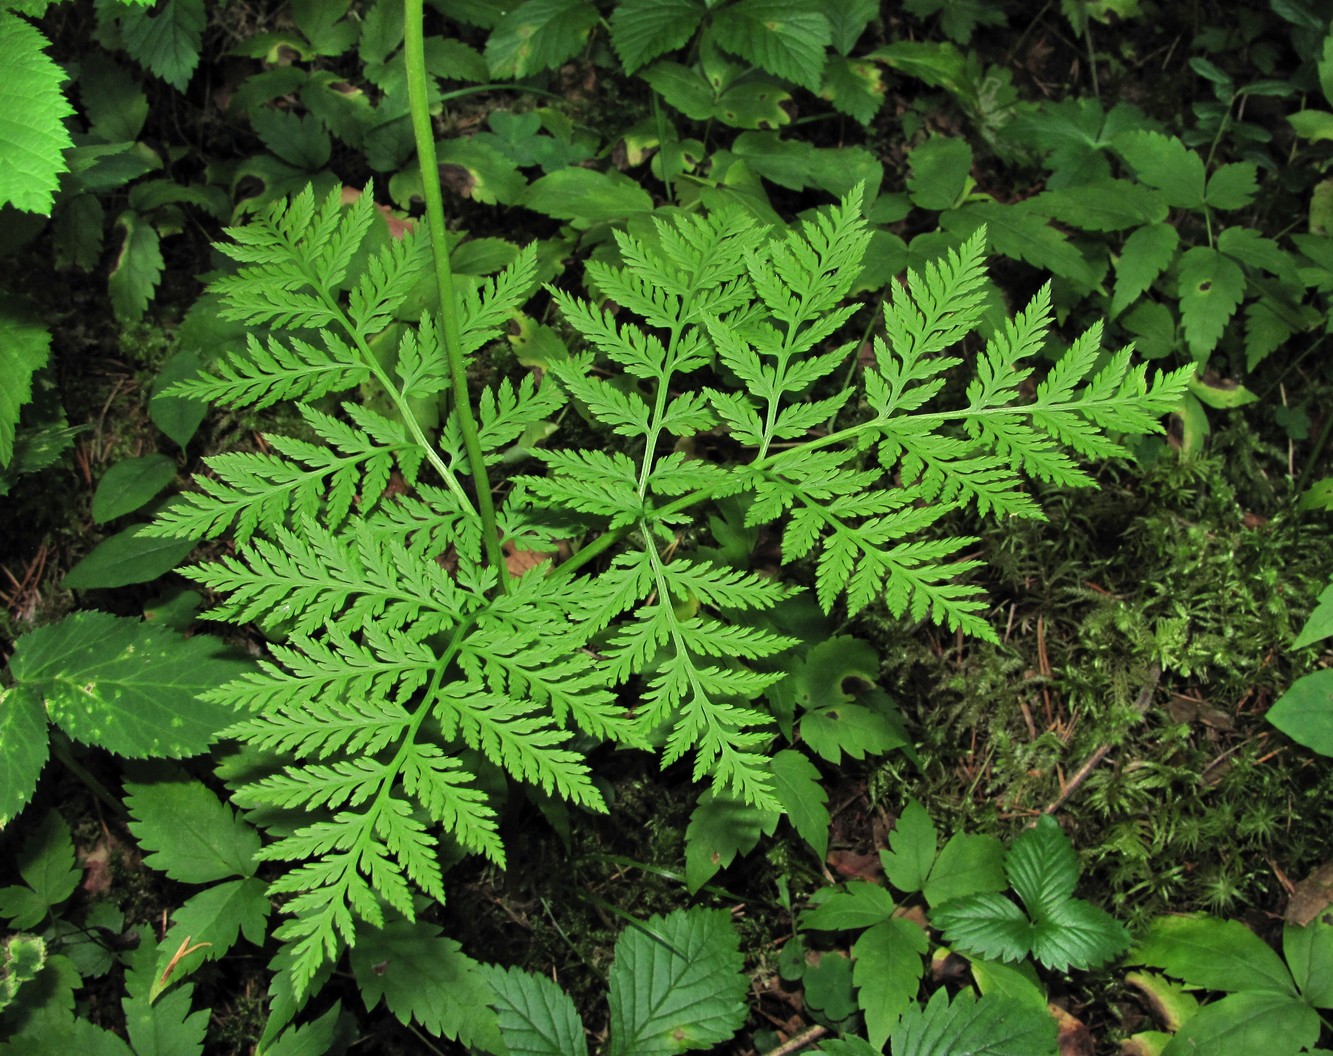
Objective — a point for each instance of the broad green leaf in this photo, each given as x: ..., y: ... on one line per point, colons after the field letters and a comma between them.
x: 854, y: 87
x: 166, y: 39
x: 1222, y: 395
x: 852, y: 729
x: 1247, y: 1023
x: 641, y: 30
x: 1041, y: 866
x: 1108, y: 205
x: 301, y: 141
x: 1166, y: 163
x: 24, y: 747
x: 796, y: 784
x: 113, y: 102
x: 1320, y: 624
x: 851, y: 1045
x: 940, y: 172
x: 1312, y: 124
x: 167, y: 1026
x: 537, y: 1018
x: 1211, y: 289
x: 827, y: 986
x: 138, y: 268
x: 720, y: 828
x: 32, y: 126
x: 1309, y: 954
x: 130, y: 484
x: 309, y: 1039
x: 189, y: 833
x: 177, y: 416
x: 1016, y: 983
x: 214, y: 917
x: 1153, y: 327
x: 911, y: 852
x: 676, y: 984
x: 1249, y: 247
x: 1325, y: 68
x: 586, y: 195
x: 1213, y: 954
x: 50, y: 875
x: 127, y: 557
x: 887, y: 967
x: 1232, y: 186
x: 967, y: 865
x: 538, y: 35
x: 1077, y: 934
x: 25, y: 345
x: 1021, y: 233
x: 324, y: 25
x: 1305, y: 712
x: 858, y: 905
x: 426, y: 978
x: 988, y: 924
x: 989, y: 1026
x: 848, y: 20
x: 125, y: 686
x: 77, y: 233
x: 782, y: 37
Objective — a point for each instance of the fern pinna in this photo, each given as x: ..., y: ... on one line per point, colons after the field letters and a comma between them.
x: 407, y: 669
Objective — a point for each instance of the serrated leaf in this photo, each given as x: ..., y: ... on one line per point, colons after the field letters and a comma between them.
x: 1305, y: 712
x: 1166, y: 163
x: 939, y: 175
x: 720, y: 828
x: 796, y: 784
x: 676, y: 984
x: 1021, y: 233
x: 137, y: 270
x: 425, y: 978
x: 1232, y: 186
x: 858, y: 905
x: 130, y: 484
x: 911, y: 852
x: 1247, y: 1023
x: 113, y: 102
x: 126, y: 686
x: 587, y: 195
x: 127, y: 557
x: 24, y: 747
x: 24, y: 348
x: 992, y: 1025
x: 32, y: 120
x: 1108, y: 205
x: 213, y: 919
x: 190, y: 835
x: 538, y: 35
x: 1213, y: 954
x: 641, y: 30
x: 854, y: 87
x: 165, y: 1027
x: 46, y: 863
x: 887, y: 968
x: 1147, y: 253
x: 165, y: 39
x: 853, y: 729
x: 1309, y: 954
x: 782, y: 37
x: 968, y: 864
x: 537, y: 1018
x: 1211, y: 289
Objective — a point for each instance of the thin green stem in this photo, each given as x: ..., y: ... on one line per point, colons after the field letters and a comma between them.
x: 419, y: 101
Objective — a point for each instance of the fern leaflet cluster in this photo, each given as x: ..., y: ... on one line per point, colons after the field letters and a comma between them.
x: 405, y: 676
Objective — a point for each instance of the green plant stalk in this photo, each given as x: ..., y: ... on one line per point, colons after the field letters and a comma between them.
x: 414, y: 52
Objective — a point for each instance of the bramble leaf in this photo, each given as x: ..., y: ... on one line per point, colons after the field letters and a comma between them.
x: 32, y: 124
x: 1211, y: 288
x: 783, y: 37
x: 538, y: 35
x: 641, y: 30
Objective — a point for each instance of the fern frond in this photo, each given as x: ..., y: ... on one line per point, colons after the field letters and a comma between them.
x: 446, y: 789
x: 260, y: 377
x: 304, y: 480
x: 514, y: 734
x: 483, y: 312
x: 306, y: 579
x: 506, y: 411
x: 384, y: 286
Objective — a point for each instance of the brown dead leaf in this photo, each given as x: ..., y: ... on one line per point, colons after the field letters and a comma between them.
x: 1312, y: 896
x: 1073, y: 1037
x: 96, y: 862
x: 856, y: 866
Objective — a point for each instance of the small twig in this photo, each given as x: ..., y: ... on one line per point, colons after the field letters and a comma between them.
x: 1081, y: 774
x: 800, y: 1041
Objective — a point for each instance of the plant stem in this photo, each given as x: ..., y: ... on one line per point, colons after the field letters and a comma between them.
x: 419, y: 101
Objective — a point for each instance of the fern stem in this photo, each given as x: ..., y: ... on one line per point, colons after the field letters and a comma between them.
x: 414, y: 52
